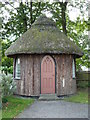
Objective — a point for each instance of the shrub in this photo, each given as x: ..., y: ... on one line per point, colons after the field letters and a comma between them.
x: 7, y: 84
x: 7, y: 70
x: 4, y: 100
x: 82, y: 84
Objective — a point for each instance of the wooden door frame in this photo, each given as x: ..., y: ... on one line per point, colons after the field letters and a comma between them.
x: 55, y: 71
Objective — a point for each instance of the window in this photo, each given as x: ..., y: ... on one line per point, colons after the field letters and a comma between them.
x: 17, y: 68
x: 73, y: 69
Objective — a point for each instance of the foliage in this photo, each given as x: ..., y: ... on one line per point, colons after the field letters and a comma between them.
x: 80, y: 97
x: 15, y: 106
x: 22, y: 17
x: 82, y: 84
x: 4, y: 100
x: 7, y: 84
x: 75, y: 31
x: 7, y: 63
x: 58, y: 10
x: 0, y: 52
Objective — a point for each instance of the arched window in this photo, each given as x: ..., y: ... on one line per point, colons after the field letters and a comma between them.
x: 73, y: 69
x: 17, y: 69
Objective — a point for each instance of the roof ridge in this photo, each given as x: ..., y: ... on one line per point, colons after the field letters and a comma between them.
x: 43, y: 20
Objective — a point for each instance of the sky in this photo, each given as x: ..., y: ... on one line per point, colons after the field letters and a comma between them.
x: 73, y: 11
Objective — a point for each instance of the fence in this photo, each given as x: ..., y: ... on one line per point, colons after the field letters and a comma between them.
x: 83, y: 79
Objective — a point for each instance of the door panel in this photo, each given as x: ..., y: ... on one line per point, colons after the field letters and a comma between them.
x: 47, y: 75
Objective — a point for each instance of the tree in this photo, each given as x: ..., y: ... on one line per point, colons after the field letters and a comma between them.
x: 77, y: 31
x: 25, y: 15
x: 21, y: 18
x: 0, y: 52
x: 63, y: 8
x: 58, y: 10
x: 7, y: 63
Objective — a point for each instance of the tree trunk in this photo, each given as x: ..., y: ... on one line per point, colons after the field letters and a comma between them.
x: 30, y: 10
x: 63, y: 10
x: 37, y: 11
x: 24, y: 18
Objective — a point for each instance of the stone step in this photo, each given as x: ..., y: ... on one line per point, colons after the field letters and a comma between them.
x: 48, y: 97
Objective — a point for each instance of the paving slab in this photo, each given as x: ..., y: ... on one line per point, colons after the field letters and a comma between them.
x: 55, y: 109
x: 48, y: 97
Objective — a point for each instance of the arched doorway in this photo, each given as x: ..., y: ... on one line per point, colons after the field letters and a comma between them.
x: 47, y: 75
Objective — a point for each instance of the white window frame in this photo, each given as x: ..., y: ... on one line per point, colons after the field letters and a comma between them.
x: 17, y: 69
x: 73, y: 69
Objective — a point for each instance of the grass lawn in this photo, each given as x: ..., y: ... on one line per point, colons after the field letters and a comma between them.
x: 0, y: 114
x: 14, y: 106
x: 80, y: 97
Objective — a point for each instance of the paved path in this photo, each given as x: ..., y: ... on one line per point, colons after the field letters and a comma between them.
x: 55, y: 109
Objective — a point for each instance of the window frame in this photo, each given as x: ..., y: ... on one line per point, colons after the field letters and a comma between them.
x: 73, y: 69
x: 15, y: 65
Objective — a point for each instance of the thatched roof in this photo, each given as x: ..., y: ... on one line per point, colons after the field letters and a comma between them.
x: 43, y: 37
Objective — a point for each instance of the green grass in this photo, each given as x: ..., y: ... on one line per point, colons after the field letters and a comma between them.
x: 15, y: 106
x: 0, y: 114
x: 79, y: 97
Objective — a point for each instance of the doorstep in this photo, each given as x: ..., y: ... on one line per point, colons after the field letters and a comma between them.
x: 48, y: 97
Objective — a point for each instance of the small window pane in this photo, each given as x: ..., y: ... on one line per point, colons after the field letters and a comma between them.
x: 17, y: 72
x: 73, y: 69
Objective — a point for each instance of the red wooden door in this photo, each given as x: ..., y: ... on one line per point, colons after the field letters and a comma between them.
x: 47, y: 75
